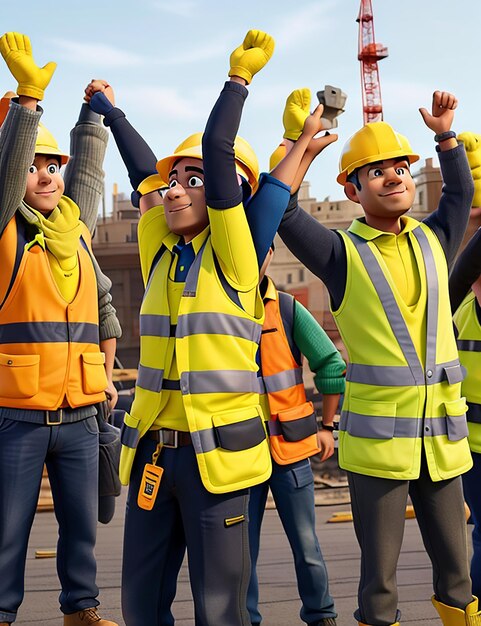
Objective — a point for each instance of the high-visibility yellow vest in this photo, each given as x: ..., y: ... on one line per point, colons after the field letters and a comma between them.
x: 396, y: 402
x: 469, y: 346
x: 49, y: 348
x: 293, y: 424
x: 215, y: 342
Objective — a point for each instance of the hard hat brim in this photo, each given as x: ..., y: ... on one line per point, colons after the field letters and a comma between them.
x: 49, y: 151
x: 165, y: 165
x: 396, y: 154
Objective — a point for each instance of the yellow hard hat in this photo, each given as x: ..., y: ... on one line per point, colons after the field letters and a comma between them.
x: 47, y: 144
x: 376, y: 141
x: 151, y: 183
x: 277, y: 156
x: 245, y: 158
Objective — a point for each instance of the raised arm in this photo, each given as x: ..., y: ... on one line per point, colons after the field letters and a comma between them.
x: 19, y: 131
x: 231, y: 238
x: 84, y: 176
x: 136, y: 154
x: 466, y: 271
x: 450, y: 220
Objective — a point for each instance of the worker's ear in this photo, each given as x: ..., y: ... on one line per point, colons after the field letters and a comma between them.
x: 350, y: 190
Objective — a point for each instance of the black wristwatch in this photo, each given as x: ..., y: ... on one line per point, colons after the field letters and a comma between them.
x: 328, y: 427
x: 448, y: 134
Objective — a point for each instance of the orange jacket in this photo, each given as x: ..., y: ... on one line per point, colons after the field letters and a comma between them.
x: 49, y: 349
x: 292, y: 425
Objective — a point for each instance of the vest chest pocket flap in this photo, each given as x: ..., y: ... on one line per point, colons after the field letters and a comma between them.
x: 19, y: 375
x: 242, y: 452
x: 94, y: 378
x: 293, y: 435
x: 456, y: 424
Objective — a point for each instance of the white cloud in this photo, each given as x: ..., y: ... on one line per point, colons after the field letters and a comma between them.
x: 293, y: 29
x: 181, y: 8
x: 158, y: 102
x: 95, y: 53
x: 194, y: 56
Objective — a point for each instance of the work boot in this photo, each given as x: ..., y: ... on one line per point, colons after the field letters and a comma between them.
x: 363, y: 624
x: 451, y: 616
x: 86, y: 618
x: 326, y: 621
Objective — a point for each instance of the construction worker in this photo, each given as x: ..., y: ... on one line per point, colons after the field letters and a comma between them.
x: 403, y: 424
x: 465, y: 293
x: 290, y: 331
x: 55, y: 318
x: 200, y: 322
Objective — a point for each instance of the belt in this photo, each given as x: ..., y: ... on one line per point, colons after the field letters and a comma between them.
x: 49, y: 418
x: 170, y: 438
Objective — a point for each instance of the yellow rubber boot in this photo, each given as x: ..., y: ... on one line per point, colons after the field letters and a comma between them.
x: 451, y: 616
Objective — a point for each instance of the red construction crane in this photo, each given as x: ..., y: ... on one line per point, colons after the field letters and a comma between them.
x: 369, y: 54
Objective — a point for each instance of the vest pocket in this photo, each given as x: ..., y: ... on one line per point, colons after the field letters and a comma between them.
x: 371, y: 419
x: 94, y: 378
x: 298, y: 422
x: 456, y: 424
x: 242, y: 458
x: 19, y: 375
x: 246, y: 432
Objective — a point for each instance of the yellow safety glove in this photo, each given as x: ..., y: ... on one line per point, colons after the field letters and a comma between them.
x: 251, y: 56
x: 296, y: 112
x: 17, y: 52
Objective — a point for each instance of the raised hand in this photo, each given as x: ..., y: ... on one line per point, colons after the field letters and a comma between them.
x: 251, y: 56
x: 442, y: 115
x: 296, y: 112
x: 17, y: 52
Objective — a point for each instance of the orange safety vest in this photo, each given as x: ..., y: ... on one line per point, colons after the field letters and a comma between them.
x: 293, y: 425
x: 49, y: 349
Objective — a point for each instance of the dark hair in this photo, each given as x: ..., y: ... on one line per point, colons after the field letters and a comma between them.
x: 354, y: 179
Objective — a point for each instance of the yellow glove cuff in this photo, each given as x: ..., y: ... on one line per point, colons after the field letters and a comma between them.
x: 30, y: 91
x: 242, y: 72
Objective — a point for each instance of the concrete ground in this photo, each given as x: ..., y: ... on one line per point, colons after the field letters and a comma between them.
x: 278, y: 593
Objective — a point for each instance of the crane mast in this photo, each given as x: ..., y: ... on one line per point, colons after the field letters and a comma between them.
x: 369, y: 54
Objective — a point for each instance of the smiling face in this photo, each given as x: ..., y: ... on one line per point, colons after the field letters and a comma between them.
x: 387, y: 192
x: 184, y: 199
x: 45, y: 184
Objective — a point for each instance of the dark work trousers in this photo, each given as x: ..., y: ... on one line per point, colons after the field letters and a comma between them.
x: 292, y: 487
x: 71, y: 453
x: 378, y: 507
x: 185, y: 514
x: 472, y: 493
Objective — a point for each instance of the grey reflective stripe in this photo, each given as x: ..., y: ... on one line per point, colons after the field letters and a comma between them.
x: 390, y: 307
x: 401, y: 376
x: 49, y: 332
x: 432, y: 304
x: 395, y: 376
x: 155, y: 325
x: 204, y: 440
x: 192, y: 279
x: 129, y: 436
x: 474, y: 413
x: 283, y: 380
x: 469, y: 345
x: 379, y: 426
x: 274, y: 427
x: 150, y: 378
x: 218, y: 324
x: 219, y: 381
x: 433, y: 373
x: 388, y: 427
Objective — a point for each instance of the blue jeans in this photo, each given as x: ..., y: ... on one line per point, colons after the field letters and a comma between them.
x: 185, y: 515
x: 71, y: 452
x: 292, y: 487
x: 472, y: 495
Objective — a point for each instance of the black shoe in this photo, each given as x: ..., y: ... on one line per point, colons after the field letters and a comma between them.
x: 325, y: 621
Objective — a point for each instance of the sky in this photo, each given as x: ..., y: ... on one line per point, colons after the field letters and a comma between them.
x: 167, y: 61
